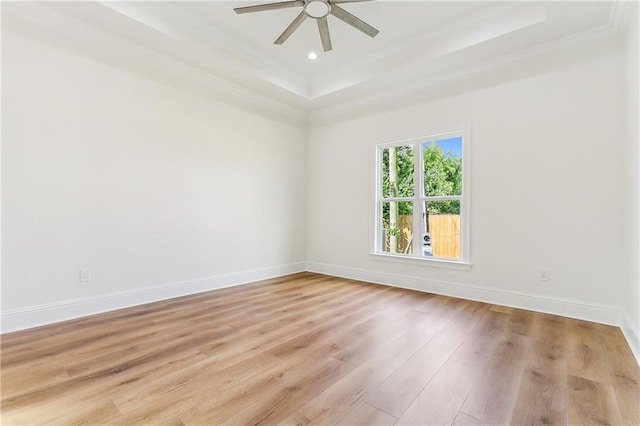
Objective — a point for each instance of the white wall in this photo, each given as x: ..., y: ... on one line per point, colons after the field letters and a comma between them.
x: 162, y: 192
x: 143, y: 183
x: 632, y: 156
x: 547, y: 191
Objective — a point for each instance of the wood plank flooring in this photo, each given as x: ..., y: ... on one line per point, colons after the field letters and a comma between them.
x: 313, y: 349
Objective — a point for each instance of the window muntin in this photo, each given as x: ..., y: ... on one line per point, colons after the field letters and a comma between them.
x: 420, y: 187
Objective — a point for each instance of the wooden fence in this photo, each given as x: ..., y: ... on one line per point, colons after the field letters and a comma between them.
x: 444, y: 230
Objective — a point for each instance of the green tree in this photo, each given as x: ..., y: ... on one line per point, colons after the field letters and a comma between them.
x: 442, y: 176
x: 404, y: 171
x: 397, y: 181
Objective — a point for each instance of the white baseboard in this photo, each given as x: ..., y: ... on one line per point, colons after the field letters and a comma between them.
x: 34, y: 316
x: 568, y: 308
x: 632, y: 334
x: 603, y: 314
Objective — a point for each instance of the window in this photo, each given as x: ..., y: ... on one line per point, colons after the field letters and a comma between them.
x: 421, y: 200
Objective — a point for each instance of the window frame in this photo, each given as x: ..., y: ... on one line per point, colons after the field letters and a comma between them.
x: 419, y: 198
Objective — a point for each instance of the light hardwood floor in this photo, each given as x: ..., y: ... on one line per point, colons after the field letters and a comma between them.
x: 313, y: 349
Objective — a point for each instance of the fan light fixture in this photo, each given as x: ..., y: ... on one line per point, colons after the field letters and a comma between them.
x: 315, y: 9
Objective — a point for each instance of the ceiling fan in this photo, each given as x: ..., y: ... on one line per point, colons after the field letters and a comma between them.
x: 318, y: 10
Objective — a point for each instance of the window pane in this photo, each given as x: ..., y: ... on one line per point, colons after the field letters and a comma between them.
x: 397, y: 172
x: 397, y: 227
x: 442, y: 226
x: 443, y: 167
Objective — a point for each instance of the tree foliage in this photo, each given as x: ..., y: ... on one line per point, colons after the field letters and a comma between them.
x: 442, y: 177
x: 403, y: 185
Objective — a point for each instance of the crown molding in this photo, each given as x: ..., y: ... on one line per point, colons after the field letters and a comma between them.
x: 466, y: 31
x: 202, y: 58
x: 419, y: 90
x: 179, y: 22
x: 624, y: 14
x: 39, y: 22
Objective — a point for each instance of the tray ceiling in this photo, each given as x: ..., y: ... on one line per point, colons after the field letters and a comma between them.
x: 206, y: 42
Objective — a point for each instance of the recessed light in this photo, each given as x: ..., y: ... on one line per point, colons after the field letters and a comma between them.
x: 313, y: 56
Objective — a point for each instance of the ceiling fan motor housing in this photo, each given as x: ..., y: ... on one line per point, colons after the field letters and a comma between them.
x: 317, y: 8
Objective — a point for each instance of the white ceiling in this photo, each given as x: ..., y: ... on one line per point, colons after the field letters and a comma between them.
x: 205, y: 44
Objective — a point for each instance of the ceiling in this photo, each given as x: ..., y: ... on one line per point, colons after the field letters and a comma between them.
x: 207, y: 46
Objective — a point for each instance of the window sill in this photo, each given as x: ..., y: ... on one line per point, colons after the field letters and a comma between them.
x: 437, y: 263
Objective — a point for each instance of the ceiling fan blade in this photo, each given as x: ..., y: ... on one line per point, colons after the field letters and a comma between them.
x: 269, y: 6
x: 323, y: 27
x: 291, y: 28
x: 354, y: 21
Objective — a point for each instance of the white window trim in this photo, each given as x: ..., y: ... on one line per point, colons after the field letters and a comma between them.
x: 421, y: 260
x: 464, y: 263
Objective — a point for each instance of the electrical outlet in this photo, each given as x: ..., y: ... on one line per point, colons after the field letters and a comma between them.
x: 85, y: 275
x: 543, y: 275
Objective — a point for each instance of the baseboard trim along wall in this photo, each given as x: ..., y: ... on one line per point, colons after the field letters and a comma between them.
x: 603, y: 314
x: 34, y: 316
x: 631, y: 332
x: 568, y: 308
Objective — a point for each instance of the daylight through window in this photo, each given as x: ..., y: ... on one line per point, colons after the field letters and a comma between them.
x: 421, y: 198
